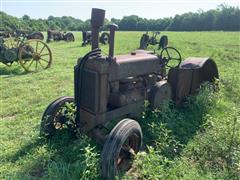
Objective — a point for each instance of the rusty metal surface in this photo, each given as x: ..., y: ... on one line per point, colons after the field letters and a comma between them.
x: 135, y: 56
x: 161, y: 93
x: 190, y: 75
x: 180, y: 81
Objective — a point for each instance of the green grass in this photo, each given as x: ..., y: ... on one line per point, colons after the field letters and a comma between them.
x: 198, y: 141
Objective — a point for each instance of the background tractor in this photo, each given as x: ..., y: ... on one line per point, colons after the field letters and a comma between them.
x: 87, y: 37
x: 59, y: 36
x: 28, y: 34
x: 153, y: 40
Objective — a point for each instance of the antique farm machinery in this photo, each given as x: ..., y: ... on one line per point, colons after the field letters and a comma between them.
x: 28, y: 34
x: 32, y: 55
x: 153, y: 40
x: 20, y: 33
x: 112, y: 89
x: 58, y: 36
x: 87, y: 37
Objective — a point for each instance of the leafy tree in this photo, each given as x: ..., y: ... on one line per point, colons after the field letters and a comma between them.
x: 224, y: 17
x: 26, y: 17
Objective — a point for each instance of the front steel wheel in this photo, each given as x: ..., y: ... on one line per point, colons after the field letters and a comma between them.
x: 34, y: 55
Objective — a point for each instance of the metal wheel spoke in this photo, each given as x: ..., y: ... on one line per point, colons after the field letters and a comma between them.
x: 37, y: 47
x: 36, y: 65
x: 168, y: 54
x: 41, y: 64
x: 44, y: 54
x: 44, y: 60
x: 42, y: 49
x: 29, y: 65
x: 175, y: 59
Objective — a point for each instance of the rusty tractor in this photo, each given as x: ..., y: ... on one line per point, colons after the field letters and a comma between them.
x: 32, y: 55
x: 87, y: 37
x: 111, y: 88
x: 146, y: 40
x: 59, y: 36
x: 28, y: 34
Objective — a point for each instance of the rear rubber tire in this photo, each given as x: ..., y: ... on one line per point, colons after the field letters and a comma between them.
x: 126, y: 131
x: 38, y: 35
x: 163, y: 42
x: 69, y: 37
x: 104, y: 38
x: 144, y: 41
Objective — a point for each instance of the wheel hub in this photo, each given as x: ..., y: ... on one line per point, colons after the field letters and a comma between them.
x: 36, y: 56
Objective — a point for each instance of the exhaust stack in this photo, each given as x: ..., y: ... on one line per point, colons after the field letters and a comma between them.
x: 97, y: 20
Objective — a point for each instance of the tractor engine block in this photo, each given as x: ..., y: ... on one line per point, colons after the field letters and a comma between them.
x: 131, y: 89
x: 126, y: 91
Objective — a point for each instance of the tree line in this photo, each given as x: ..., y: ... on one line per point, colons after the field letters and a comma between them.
x: 224, y: 17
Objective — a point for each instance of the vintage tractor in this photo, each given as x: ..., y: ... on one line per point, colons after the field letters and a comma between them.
x: 59, y: 36
x: 32, y: 55
x: 146, y: 40
x: 87, y: 37
x: 28, y: 34
x: 35, y: 35
x: 112, y: 89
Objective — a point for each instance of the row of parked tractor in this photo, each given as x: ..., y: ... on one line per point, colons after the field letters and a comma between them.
x: 32, y: 53
x: 54, y: 35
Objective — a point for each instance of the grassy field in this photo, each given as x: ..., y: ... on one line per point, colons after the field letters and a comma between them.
x: 198, y: 141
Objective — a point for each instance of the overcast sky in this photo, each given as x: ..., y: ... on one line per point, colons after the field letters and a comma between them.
x: 81, y: 9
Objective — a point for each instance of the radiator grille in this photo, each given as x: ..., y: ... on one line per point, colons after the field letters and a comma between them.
x: 89, y: 94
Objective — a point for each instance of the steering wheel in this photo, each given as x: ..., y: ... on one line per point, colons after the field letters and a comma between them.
x: 171, y: 57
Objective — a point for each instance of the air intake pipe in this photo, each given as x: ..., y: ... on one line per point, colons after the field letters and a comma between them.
x: 97, y: 20
x: 112, y: 28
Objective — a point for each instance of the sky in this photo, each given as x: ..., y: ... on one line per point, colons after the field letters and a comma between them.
x: 81, y: 9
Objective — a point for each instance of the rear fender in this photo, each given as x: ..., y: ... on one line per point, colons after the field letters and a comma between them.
x: 192, y: 72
